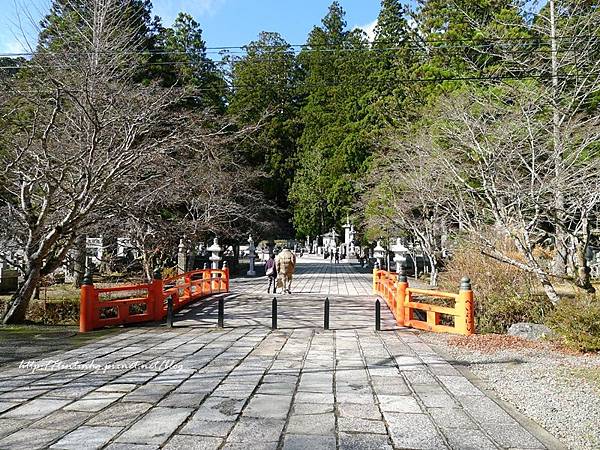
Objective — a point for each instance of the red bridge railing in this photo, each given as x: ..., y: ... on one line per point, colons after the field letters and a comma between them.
x: 403, y: 301
x: 119, y: 305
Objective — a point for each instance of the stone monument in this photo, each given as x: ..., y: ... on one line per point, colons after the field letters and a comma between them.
x: 251, y: 256
x: 8, y: 278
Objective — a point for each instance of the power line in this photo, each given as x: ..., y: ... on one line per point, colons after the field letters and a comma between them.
x: 484, y: 50
x: 412, y: 43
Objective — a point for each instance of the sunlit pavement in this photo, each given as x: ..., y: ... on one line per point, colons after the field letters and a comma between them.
x: 249, y: 387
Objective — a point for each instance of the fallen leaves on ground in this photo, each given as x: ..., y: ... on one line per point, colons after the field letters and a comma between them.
x: 487, y: 343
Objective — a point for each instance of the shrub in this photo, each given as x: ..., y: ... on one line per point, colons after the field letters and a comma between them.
x: 169, y: 272
x: 576, y: 321
x: 54, y: 313
x: 503, y: 294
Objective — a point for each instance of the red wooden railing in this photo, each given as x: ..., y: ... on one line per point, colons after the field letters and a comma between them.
x: 402, y: 301
x: 146, y: 302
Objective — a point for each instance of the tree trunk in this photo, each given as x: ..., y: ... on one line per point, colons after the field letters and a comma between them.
x: 571, y: 257
x: 147, y: 263
x: 548, y: 288
x: 20, y: 300
x: 583, y: 278
x: 559, y: 264
x: 79, y: 261
x: 433, y: 277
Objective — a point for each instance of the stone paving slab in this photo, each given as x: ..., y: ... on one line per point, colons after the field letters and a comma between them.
x: 314, y: 275
x: 247, y: 386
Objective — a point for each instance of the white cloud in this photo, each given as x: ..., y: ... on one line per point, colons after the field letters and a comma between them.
x: 207, y: 6
x: 369, y: 29
x: 168, y: 9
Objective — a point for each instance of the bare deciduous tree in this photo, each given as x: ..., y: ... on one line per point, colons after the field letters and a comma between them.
x: 199, y: 189
x: 563, y: 56
x: 496, y: 147
x: 79, y: 126
x: 409, y: 193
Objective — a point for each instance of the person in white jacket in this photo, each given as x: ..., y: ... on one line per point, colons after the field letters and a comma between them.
x: 285, y: 266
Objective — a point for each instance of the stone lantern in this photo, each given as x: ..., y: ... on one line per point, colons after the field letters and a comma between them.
x: 347, y: 227
x: 379, y: 253
x: 400, y: 252
x: 181, y: 257
x: 215, y: 249
x: 352, y: 249
x: 251, y: 257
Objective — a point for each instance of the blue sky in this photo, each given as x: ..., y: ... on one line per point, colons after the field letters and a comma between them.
x: 224, y: 22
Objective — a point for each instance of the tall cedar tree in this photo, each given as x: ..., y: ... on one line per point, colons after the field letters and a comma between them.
x: 58, y: 25
x: 456, y: 41
x: 334, y: 143
x: 265, y: 90
x: 392, y: 55
x: 181, y: 59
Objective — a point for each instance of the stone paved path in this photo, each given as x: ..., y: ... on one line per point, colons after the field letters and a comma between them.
x: 247, y: 387
x: 314, y: 275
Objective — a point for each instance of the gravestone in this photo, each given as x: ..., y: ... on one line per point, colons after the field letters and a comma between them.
x: 9, y: 278
x: 95, y: 251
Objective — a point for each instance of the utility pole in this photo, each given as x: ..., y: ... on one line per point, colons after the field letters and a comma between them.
x: 559, y: 263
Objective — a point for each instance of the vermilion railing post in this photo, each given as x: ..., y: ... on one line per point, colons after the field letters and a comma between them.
x: 86, y: 304
x: 214, y: 277
x: 401, y: 296
x: 187, y: 291
x: 226, y: 275
x: 464, y: 305
x: 408, y: 312
x: 156, y: 295
x: 206, y: 281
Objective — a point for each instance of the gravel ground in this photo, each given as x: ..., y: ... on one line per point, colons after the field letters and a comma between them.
x: 559, y: 391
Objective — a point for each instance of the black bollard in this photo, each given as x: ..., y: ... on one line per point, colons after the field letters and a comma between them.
x: 274, y: 314
x: 326, y: 315
x: 170, y: 311
x: 377, y: 315
x: 221, y: 312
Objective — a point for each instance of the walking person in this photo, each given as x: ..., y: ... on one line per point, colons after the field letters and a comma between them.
x: 337, y: 256
x: 271, y: 273
x: 285, y: 266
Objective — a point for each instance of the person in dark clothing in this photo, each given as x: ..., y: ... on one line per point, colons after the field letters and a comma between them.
x: 271, y: 273
x: 337, y: 256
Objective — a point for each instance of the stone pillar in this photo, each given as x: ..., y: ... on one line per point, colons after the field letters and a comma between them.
x: 181, y: 258
x: 347, y: 227
x: 352, y: 249
x: 215, y: 249
x: 251, y: 256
